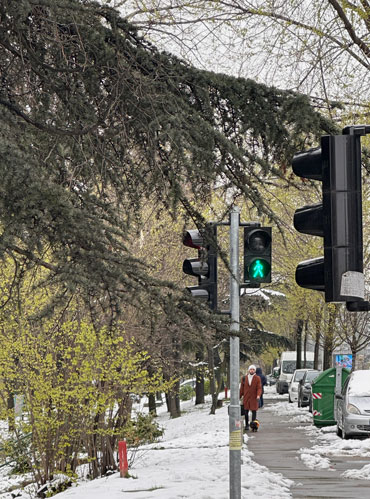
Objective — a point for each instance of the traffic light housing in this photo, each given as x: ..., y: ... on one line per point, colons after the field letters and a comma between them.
x: 204, y: 267
x: 338, y: 219
x: 257, y: 255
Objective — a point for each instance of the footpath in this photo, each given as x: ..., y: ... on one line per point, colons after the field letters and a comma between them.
x: 275, y: 446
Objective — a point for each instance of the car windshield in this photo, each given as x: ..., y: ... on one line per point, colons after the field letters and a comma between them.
x: 289, y: 366
x: 298, y: 375
x: 311, y: 375
x: 359, y: 385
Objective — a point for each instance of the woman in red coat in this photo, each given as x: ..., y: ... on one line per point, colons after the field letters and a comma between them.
x: 251, y: 391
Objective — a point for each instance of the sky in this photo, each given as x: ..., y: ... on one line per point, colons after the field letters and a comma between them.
x: 191, y: 460
x: 257, y: 48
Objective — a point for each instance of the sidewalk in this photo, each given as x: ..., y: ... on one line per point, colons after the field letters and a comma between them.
x: 275, y: 446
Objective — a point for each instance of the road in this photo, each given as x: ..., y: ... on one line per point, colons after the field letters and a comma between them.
x: 275, y: 446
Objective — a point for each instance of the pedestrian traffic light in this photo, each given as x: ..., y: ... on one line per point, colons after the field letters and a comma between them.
x: 257, y: 255
x: 338, y: 218
x: 205, y: 266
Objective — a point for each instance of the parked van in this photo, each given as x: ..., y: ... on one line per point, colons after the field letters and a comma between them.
x: 288, y: 363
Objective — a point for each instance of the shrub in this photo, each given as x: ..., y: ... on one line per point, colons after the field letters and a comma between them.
x: 142, y: 430
x: 186, y: 392
x: 17, y: 451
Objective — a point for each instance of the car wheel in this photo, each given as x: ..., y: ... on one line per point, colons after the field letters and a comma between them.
x: 344, y: 434
x: 339, y: 432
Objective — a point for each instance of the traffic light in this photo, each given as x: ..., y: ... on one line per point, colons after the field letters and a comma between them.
x: 338, y: 219
x: 257, y: 255
x: 205, y: 266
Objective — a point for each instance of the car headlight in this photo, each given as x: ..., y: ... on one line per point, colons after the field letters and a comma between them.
x: 352, y: 409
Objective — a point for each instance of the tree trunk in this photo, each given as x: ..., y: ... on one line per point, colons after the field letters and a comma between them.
x: 11, y: 415
x: 107, y: 459
x: 317, y: 348
x: 177, y: 369
x: 299, y: 343
x: 212, y: 382
x: 152, y: 404
x: 218, y: 372
x: 172, y: 405
x: 199, y: 384
x: 305, y: 344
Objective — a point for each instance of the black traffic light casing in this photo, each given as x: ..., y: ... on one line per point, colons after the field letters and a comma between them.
x: 204, y: 267
x: 338, y: 219
x: 257, y: 255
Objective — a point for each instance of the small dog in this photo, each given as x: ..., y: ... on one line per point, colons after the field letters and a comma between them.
x: 255, y: 425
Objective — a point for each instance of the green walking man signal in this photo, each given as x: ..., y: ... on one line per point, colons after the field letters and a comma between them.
x: 259, y: 269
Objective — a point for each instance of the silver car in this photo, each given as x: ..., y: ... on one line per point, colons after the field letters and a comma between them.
x: 352, y: 406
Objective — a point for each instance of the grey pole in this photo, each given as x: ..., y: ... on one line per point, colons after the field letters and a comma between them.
x: 235, y: 423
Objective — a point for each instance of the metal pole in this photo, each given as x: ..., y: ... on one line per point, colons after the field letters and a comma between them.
x: 235, y: 423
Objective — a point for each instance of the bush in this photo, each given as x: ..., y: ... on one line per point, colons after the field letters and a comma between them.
x: 142, y: 430
x: 207, y: 389
x: 17, y: 452
x: 186, y: 392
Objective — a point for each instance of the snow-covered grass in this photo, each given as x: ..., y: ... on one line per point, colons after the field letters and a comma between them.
x: 191, y: 460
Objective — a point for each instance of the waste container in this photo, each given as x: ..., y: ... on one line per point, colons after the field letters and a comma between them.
x: 323, y: 396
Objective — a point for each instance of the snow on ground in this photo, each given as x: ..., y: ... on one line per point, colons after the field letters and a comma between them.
x: 326, y: 443
x: 191, y: 460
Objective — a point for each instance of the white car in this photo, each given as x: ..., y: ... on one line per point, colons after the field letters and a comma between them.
x: 188, y: 382
x: 294, y: 383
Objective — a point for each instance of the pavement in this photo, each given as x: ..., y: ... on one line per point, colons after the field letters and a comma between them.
x: 275, y: 446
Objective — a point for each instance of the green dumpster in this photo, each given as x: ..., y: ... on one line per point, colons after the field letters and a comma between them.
x: 323, y: 392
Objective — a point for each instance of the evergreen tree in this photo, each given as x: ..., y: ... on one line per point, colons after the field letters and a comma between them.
x: 95, y: 123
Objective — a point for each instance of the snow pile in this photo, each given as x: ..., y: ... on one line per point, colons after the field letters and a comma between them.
x: 362, y: 474
x: 315, y: 461
x: 292, y: 412
x: 326, y: 443
x: 329, y: 445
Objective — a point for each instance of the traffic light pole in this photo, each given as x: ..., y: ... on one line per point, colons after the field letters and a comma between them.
x: 235, y: 423
x: 257, y: 243
x: 358, y: 131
